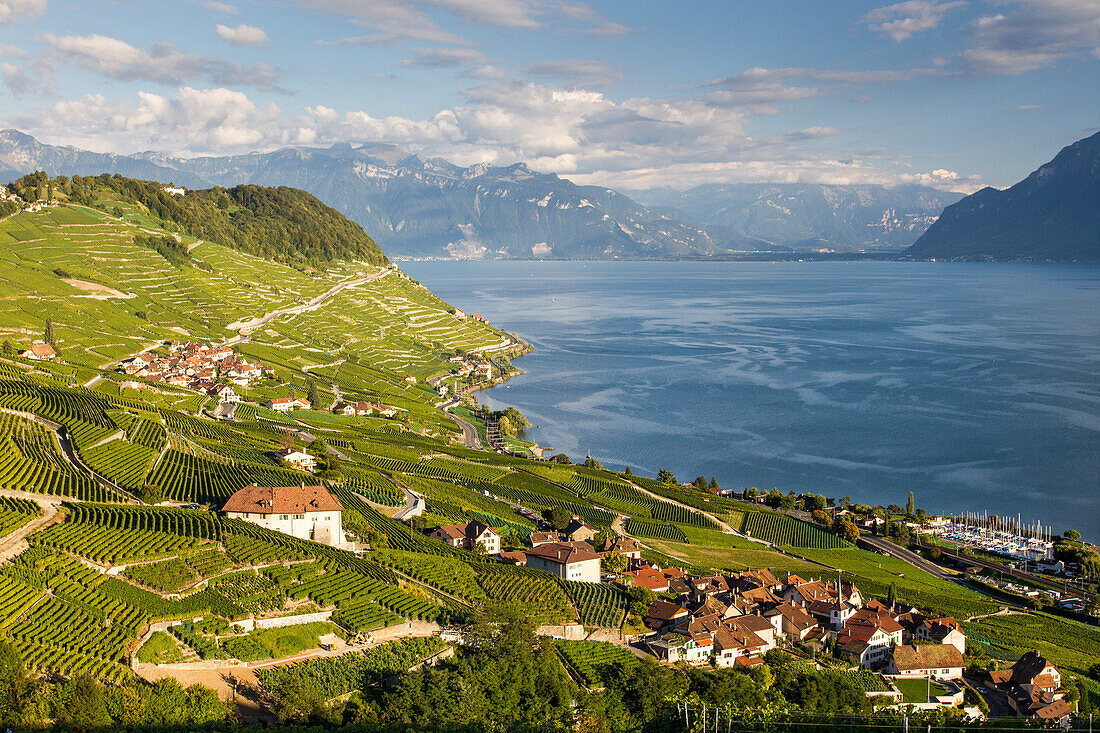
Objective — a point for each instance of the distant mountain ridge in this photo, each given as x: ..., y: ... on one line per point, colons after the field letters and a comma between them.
x: 1053, y: 214
x: 810, y: 215
x: 429, y: 207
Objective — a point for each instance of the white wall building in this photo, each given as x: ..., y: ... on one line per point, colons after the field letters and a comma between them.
x: 306, y: 512
x: 566, y: 562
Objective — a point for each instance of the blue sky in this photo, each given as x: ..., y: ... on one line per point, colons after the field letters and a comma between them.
x: 640, y: 94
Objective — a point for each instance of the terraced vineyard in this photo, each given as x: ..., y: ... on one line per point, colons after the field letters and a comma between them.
x: 124, y: 463
x: 14, y: 513
x: 593, y: 663
x: 30, y: 460
x: 783, y: 530
x: 654, y: 529
x: 597, y: 604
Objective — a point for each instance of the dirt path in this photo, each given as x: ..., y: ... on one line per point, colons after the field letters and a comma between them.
x: 725, y: 527
x: 14, y: 543
x: 317, y: 302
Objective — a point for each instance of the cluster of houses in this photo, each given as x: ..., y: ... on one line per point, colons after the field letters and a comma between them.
x: 735, y: 620
x: 364, y: 408
x: 575, y: 553
x: 196, y: 366
x: 481, y: 368
x: 1033, y: 688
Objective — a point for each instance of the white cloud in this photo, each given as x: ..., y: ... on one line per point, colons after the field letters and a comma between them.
x: 222, y: 8
x: 12, y: 52
x: 404, y: 20
x: 162, y: 62
x: 905, y: 19
x: 945, y: 180
x: 13, y: 9
x: 442, y: 58
x: 194, y: 120
x: 395, y: 20
x: 242, y: 35
x: 589, y: 71
x: 16, y: 79
x: 1031, y: 35
x: 634, y: 143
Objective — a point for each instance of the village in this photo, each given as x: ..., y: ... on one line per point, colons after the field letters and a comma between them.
x: 731, y: 621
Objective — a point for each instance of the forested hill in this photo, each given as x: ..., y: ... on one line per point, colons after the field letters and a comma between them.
x: 282, y: 224
x: 1053, y: 214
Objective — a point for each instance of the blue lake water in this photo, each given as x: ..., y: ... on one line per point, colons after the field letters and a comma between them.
x: 976, y: 386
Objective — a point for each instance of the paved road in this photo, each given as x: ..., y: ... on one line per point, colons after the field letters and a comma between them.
x: 469, y: 432
x: 313, y: 304
x: 910, y: 557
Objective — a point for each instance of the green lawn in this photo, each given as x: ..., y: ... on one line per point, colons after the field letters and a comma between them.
x: 161, y: 648
x: 916, y: 690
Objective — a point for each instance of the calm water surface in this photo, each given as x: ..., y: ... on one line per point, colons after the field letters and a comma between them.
x: 976, y: 386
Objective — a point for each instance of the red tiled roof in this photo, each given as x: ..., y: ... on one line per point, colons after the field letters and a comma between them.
x: 560, y: 553
x: 282, y: 500
x: 42, y: 350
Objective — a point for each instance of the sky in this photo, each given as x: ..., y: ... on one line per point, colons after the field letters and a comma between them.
x: 957, y: 94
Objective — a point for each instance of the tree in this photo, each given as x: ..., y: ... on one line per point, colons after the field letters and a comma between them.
x: 81, y: 703
x: 666, y: 477
x: 820, y: 516
x: 560, y: 517
x: 615, y: 562
x: 910, y: 507
x: 590, y: 462
x: 1069, y: 534
x: 47, y: 334
x: 314, y: 395
x: 892, y: 596
x: 700, y: 483
x: 627, y: 471
x: 8, y: 348
x: 513, y: 422
x: 561, y: 459
x: 713, y: 484
x: 845, y: 530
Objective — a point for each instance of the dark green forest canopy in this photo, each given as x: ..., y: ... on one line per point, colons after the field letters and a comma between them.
x: 283, y: 224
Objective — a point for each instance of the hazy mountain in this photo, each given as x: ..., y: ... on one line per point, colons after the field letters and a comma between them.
x: 1053, y: 214
x: 424, y: 207
x: 807, y: 216
x: 21, y: 154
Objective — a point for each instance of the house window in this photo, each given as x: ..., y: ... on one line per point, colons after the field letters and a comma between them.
x: 299, y: 516
x: 284, y: 516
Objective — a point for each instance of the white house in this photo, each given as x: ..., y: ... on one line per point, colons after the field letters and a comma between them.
x: 468, y: 536
x: 297, y: 458
x: 306, y: 512
x: 565, y: 561
x: 39, y: 352
x: 286, y: 404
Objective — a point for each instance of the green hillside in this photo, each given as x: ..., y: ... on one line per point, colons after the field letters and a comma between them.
x: 281, y: 224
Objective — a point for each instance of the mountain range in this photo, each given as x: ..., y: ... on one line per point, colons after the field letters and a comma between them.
x: 1053, y: 214
x: 428, y: 207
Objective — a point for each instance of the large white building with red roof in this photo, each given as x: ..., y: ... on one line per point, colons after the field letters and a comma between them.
x: 306, y: 512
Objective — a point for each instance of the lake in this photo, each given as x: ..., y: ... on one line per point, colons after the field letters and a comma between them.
x: 976, y: 386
